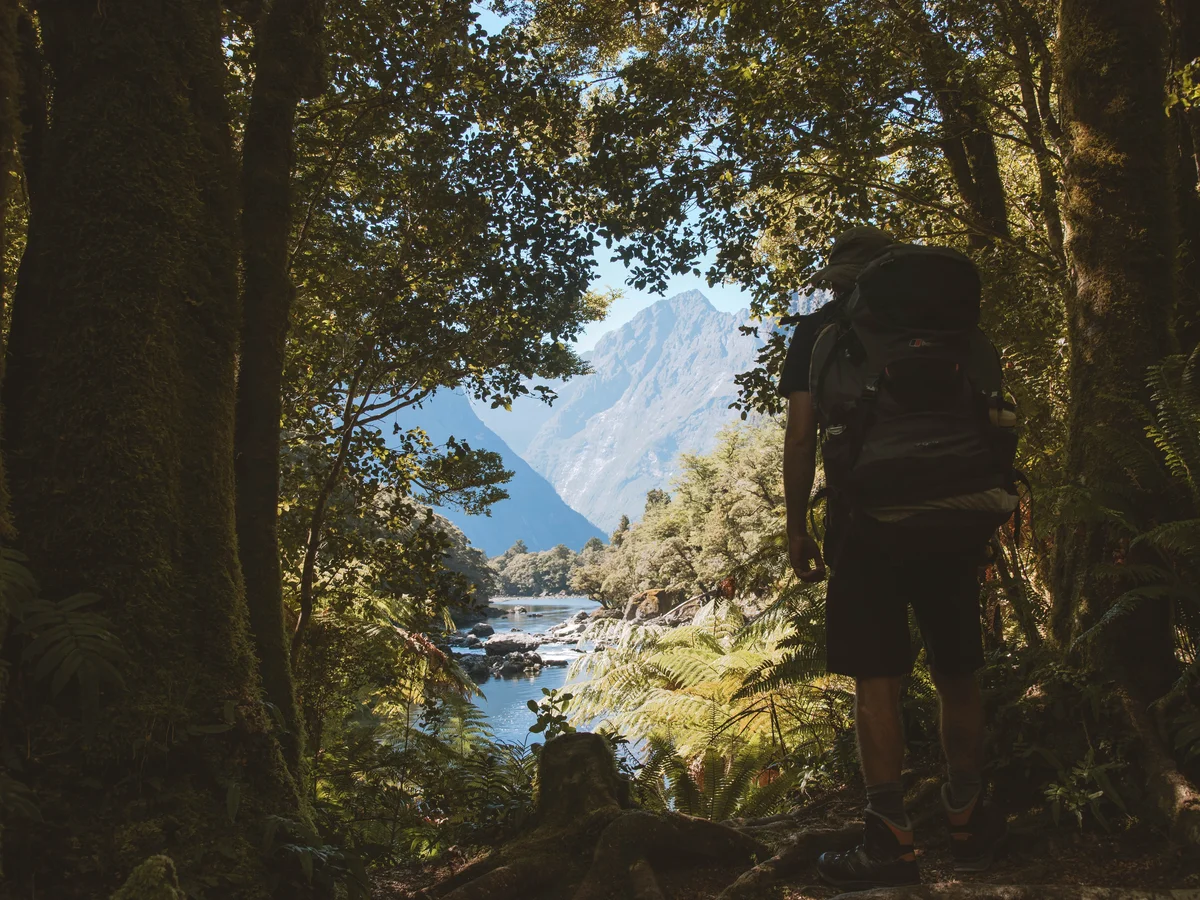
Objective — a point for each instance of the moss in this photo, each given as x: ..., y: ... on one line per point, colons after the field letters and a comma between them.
x: 119, y: 417
x: 1117, y: 206
x: 153, y: 880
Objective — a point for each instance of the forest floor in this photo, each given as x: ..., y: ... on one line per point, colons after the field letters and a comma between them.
x: 1133, y: 855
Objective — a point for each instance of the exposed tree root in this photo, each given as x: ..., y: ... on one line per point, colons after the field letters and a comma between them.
x: 796, y: 856
x: 638, y: 838
x: 1016, y: 892
x: 643, y: 881
x: 587, y: 837
x: 518, y: 878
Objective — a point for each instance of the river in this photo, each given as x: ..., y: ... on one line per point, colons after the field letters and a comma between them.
x: 504, y: 701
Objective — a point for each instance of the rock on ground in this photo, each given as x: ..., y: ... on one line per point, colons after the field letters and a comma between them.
x: 513, y: 642
x: 518, y: 663
x: 655, y: 602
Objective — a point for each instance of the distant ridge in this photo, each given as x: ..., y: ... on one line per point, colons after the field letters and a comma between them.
x: 534, y: 512
x: 662, y: 386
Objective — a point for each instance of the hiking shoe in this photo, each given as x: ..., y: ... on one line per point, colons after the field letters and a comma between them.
x: 976, y: 833
x: 885, y: 858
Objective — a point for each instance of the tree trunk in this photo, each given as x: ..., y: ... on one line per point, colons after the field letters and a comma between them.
x: 287, y: 56
x: 967, y: 139
x: 1185, y: 47
x: 1120, y: 247
x: 1016, y: 20
x: 9, y: 92
x: 120, y: 394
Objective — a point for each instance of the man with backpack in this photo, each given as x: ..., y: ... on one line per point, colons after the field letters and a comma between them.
x: 917, y: 451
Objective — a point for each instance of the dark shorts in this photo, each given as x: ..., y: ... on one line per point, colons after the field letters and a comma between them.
x: 866, y: 611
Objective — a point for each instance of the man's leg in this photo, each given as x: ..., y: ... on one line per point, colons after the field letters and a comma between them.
x: 881, y: 745
x: 948, y: 613
x: 866, y: 627
x: 962, y: 734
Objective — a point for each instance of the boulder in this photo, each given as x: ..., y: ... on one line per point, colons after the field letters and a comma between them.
x: 477, y: 667
x: 651, y: 603
x: 604, y: 614
x: 518, y: 664
x: 570, y: 628
x: 482, y: 629
x: 473, y: 642
x: 504, y: 644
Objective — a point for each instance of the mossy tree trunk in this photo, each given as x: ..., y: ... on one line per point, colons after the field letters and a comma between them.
x: 1185, y: 47
x: 1120, y: 246
x: 9, y: 93
x: 287, y: 57
x: 120, y: 431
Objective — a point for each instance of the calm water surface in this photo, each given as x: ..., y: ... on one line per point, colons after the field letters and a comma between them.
x: 505, y: 698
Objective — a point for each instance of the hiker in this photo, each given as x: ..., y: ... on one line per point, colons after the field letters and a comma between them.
x: 917, y: 454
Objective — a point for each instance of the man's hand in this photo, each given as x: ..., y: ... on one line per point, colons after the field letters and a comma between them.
x: 805, y: 556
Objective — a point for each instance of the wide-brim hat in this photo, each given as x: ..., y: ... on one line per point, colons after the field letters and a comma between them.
x: 850, y: 253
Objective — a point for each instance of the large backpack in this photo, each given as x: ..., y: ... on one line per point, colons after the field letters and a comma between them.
x: 918, y: 437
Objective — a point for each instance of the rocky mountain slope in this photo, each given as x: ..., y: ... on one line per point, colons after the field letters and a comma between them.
x: 662, y: 386
x: 533, y: 512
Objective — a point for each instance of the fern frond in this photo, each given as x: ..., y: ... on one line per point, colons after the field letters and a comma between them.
x: 1130, y: 602
x: 737, y: 783
x: 70, y: 643
x: 1180, y: 536
x: 771, y: 797
x: 795, y: 667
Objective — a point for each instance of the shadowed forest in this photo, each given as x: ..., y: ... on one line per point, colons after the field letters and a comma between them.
x: 240, y: 236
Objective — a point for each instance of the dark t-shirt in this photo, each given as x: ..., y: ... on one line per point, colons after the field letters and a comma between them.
x: 799, y: 356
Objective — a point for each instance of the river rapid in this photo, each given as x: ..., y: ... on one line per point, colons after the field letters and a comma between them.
x: 504, y: 701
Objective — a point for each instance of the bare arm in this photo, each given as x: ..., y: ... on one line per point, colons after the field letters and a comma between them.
x: 799, y: 470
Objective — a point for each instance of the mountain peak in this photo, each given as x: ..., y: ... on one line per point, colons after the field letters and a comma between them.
x: 689, y: 300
